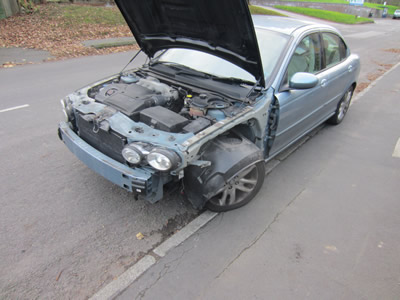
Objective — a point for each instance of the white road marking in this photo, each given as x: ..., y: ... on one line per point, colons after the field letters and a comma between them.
x: 396, y: 152
x: 14, y: 108
x: 127, y: 278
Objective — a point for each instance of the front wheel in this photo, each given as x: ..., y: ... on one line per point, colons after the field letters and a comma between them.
x: 342, y: 108
x: 240, y: 190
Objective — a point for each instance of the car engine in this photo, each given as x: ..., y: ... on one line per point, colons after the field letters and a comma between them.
x: 160, y: 105
x: 145, y: 99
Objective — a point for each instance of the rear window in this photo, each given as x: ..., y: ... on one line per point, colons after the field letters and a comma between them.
x: 335, y: 49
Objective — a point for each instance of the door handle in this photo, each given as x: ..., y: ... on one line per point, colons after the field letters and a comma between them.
x: 323, y: 82
x: 350, y: 68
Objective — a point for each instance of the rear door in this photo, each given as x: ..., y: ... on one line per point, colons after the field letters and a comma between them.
x: 339, y: 70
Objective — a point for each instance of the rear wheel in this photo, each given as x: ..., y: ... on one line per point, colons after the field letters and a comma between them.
x: 342, y: 108
x: 240, y: 190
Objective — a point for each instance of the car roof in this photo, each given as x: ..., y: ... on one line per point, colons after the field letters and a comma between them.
x: 285, y: 25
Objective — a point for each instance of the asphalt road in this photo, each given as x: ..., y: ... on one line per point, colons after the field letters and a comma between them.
x: 65, y: 231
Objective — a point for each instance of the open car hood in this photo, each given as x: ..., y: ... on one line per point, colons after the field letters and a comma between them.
x: 221, y: 27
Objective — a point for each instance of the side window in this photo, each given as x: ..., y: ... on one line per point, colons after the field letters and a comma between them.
x: 306, y: 57
x: 334, y: 47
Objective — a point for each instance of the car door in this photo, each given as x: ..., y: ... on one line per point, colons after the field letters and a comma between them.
x: 299, y: 110
x: 338, y: 69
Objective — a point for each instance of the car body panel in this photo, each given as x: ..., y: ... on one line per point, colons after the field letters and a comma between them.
x: 110, y: 169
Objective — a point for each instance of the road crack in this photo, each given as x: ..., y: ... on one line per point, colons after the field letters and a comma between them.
x: 261, y: 234
x: 270, y: 224
x: 165, y: 270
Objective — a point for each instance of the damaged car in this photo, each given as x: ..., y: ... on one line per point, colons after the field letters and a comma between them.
x: 220, y: 94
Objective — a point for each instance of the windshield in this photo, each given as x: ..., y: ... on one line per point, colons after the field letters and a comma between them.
x: 271, y: 45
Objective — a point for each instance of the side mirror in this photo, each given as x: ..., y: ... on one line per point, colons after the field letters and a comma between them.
x: 301, y: 81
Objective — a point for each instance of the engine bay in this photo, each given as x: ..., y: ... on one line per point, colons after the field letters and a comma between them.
x: 162, y: 105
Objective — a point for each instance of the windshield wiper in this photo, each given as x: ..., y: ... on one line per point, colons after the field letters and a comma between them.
x: 232, y: 80
x: 173, y: 65
x: 182, y: 69
x: 194, y: 73
x: 187, y: 71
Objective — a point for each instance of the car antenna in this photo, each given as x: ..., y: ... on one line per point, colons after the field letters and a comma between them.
x: 137, y: 53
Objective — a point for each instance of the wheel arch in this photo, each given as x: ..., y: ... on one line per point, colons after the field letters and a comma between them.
x: 228, y: 153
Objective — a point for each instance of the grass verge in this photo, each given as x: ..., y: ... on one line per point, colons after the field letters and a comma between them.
x: 256, y: 10
x: 391, y: 8
x: 325, y: 15
x: 83, y: 15
x: 61, y: 28
x: 322, y: 1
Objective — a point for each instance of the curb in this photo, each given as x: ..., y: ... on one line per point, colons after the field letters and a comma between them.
x: 372, y: 84
x: 112, y: 289
x: 110, y: 42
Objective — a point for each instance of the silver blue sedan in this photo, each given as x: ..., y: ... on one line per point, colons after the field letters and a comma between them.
x: 220, y: 94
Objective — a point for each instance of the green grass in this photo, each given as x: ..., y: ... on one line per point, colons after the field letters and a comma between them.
x: 2, y: 12
x: 391, y: 8
x: 79, y: 14
x: 322, y: 1
x: 256, y: 10
x: 325, y: 14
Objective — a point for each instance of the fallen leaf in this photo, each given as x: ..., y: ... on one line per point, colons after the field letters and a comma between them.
x: 330, y: 248
x: 8, y: 65
x: 50, y: 31
x: 59, y: 275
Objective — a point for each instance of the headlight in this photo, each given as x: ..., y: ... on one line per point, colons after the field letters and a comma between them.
x: 159, y: 158
x: 163, y: 159
x: 131, y: 154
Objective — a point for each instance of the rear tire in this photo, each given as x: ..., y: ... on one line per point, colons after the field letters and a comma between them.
x: 342, y: 107
x: 240, y: 190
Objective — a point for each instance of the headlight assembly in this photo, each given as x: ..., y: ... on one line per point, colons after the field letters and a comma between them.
x: 159, y: 158
x: 134, y: 153
x: 163, y: 159
x: 131, y: 155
